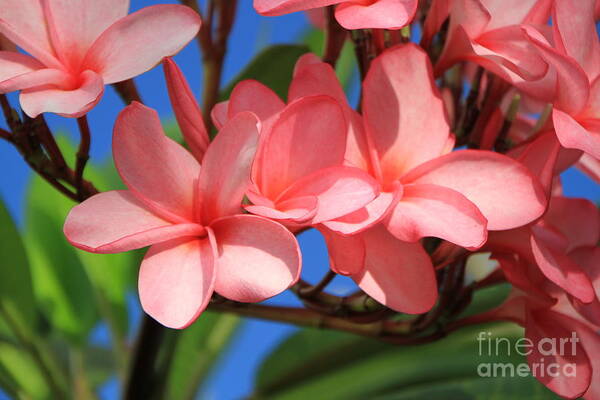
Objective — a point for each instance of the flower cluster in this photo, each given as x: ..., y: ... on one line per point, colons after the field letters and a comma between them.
x: 221, y: 216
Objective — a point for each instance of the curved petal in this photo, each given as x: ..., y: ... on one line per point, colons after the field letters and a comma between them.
x: 300, y: 144
x: 258, y: 258
x: 225, y: 174
x: 397, y: 274
x: 75, y: 24
x: 313, y: 79
x: 298, y: 210
x: 549, y: 327
x: 219, y: 114
x: 176, y: 281
x: 560, y: 269
x: 380, y: 14
x: 156, y: 169
x: 280, y: 7
x: 339, y: 191
x: 14, y: 64
x: 572, y: 85
x: 505, y: 192
x: 573, y: 135
x: 23, y: 22
x: 138, y: 42
x: 346, y: 253
x: 575, y: 33
x: 588, y: 258
x: 114, y: 222
x: 367, y: 216
x: 68, y: 103
x: 395, y: 118
x: 187, y: 111
x: 577, y: 219
x: 251, y: 95
x: 431, y: 210
x: 48, y: 77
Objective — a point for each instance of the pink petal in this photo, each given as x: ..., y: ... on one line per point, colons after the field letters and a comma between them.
x: 431, y: 210
x: 577, y: 219
x: 75, y: 24
x: 436, y: 16
x: 573, y: 135
x: 312, y: 79
x: 68, y: 103
x: 555, y: 328
x: 560, y: 269
x: 397, y: 274
x: 114, y: 222
x: 280, y: 7
x: 187, y: 111
x: 225, y: 174
x: 590, y: 166
x: 505, y: 192
x: 55, y: 78
x: 24, y: 23
x: 346, y: 253
x: 367, y: 216
x: 14, y: 64
x: 258, y: 258
x: 176, y: 281
x: 250, y: 95
x: 511, y: 12
x: 381, y: 14
x: 138, y: 42
x: 156, y: 169
x: 219, y: 114
x: 395, y: 118
x: 339, y: 191
x: 572, y: 86
x: 300, y: 144
x: 575, y: 33
x: 297, y: 210
x: 588, y: 258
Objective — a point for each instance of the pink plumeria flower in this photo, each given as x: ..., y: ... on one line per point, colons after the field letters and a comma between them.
x: 490, y: 33
x: 351, y: 14
x: 404, y: 142
x: 76, y: 47
x: 576, y: 58
x: 191, y: 217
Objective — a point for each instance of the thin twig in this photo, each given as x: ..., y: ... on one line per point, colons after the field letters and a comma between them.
x: 309, y: 292
x: 83, y: 155
x: 335, y: 37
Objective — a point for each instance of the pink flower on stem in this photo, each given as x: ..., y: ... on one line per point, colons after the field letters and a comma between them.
x: 75, y: 47
x: 191, y: 217
x: 351, y: 14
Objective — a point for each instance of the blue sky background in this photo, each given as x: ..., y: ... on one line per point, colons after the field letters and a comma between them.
x: 234, y: 375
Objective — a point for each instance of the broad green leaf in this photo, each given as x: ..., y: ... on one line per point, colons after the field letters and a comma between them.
x: 19, y: 374
x: 197, y: 349
x: 16, y: 293
x: 346, y: 64
x: 363, y: 368
x: 273, y: 67
x: 73, y: 285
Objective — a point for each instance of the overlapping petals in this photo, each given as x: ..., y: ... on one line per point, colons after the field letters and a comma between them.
x: 191, y: 217
x: 77, y: 47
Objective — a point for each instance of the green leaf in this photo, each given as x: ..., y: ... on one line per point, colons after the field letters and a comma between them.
x: 60, y: 282
x: 73, y: 285
x: 19, y: 374
x: 362, y: 368
x: 16, y: 292
x: 197, y: 349
x: 273, y: 67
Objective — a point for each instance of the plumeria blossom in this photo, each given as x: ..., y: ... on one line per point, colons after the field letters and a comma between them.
x: 351, y: 14
x: 191, y: 216
x: 490, y: 33
x: 75, y: 47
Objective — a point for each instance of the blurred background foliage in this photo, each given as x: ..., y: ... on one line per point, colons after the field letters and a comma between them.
x: 68, y: 319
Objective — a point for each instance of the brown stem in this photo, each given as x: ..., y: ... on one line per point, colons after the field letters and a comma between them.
x: 309, y: 292
x: 6, y: 135
x: 83, y: 155
x: 128, y: 91
x: 335, y: 37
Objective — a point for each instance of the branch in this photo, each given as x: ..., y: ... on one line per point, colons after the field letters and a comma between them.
x: 83, y: 155
x: 335, y: 37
